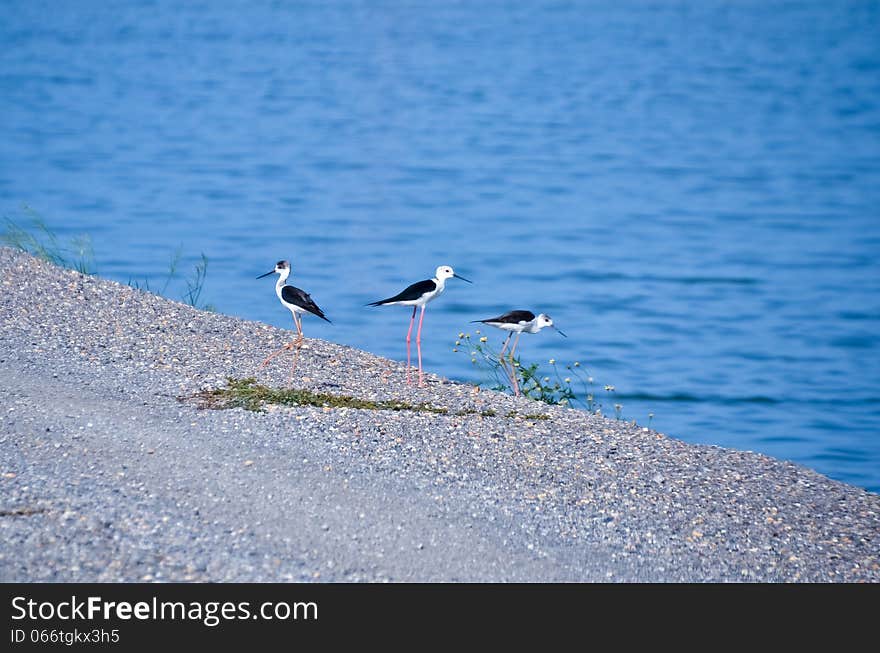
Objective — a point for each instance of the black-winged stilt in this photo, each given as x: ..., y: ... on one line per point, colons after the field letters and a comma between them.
x: 518, y: 322
x: 297, y: 301
x: 418, y: 295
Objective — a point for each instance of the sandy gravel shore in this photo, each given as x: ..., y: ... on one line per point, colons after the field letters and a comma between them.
x: 106, y: 475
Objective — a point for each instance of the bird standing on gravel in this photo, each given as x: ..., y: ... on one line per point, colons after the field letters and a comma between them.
x: 418, y: 295
x: 518, y: 322
x: 297, y: 301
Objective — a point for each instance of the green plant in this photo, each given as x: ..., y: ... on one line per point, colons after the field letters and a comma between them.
x: 34, y: 237
x: 486, y: 359
x: 171, y: 274
x: 542, y: 388
x: 194, y: 283
x: 248, y: 394
x: 550, y: 386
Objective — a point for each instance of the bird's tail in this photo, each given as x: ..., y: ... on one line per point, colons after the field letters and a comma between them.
x: 379, y: 303
x: 321, y: 315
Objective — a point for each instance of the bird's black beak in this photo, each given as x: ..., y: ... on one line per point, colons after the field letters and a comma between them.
x: 458, y: 276
x: 267, y: 274
x: 560, y: 332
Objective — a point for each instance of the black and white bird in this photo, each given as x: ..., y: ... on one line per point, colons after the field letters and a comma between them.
x: 518, y: 322
x: 418, y: 295
x: 298, y: 302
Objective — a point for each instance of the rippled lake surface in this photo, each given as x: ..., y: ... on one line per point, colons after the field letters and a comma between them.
x: 691, y: 189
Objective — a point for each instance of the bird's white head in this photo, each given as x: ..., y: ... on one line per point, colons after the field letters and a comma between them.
x: 544, y: 320
x: 445, y: 272
x: 282, y: 268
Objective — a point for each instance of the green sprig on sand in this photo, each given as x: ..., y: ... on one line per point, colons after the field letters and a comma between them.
x: 250, y: 395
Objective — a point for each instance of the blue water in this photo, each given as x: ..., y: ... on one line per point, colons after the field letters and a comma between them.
x: 691, y: 189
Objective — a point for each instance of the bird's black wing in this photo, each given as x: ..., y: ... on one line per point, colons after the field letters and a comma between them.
x: 299, y: 297
x: 410, y: 293
x: 511, y: 317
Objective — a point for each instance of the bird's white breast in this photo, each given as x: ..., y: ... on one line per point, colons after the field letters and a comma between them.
x: 292, y: 307
x: 434, y: 293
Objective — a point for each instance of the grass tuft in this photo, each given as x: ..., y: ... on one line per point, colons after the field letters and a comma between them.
x: 32, y: 235
x: 36, y: 238
x: 248, y: 394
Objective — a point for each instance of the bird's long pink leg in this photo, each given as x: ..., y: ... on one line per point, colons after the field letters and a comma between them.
x: 285, y: 348
x: 299, y: 328
x: 408, y: 335
x: 513, y: 367
x: 419, y: 346
x: 296, y: 344
x: 503, y: 362
x: 501, y: 355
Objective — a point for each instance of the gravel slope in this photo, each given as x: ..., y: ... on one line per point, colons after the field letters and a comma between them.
x: 106, y: 475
